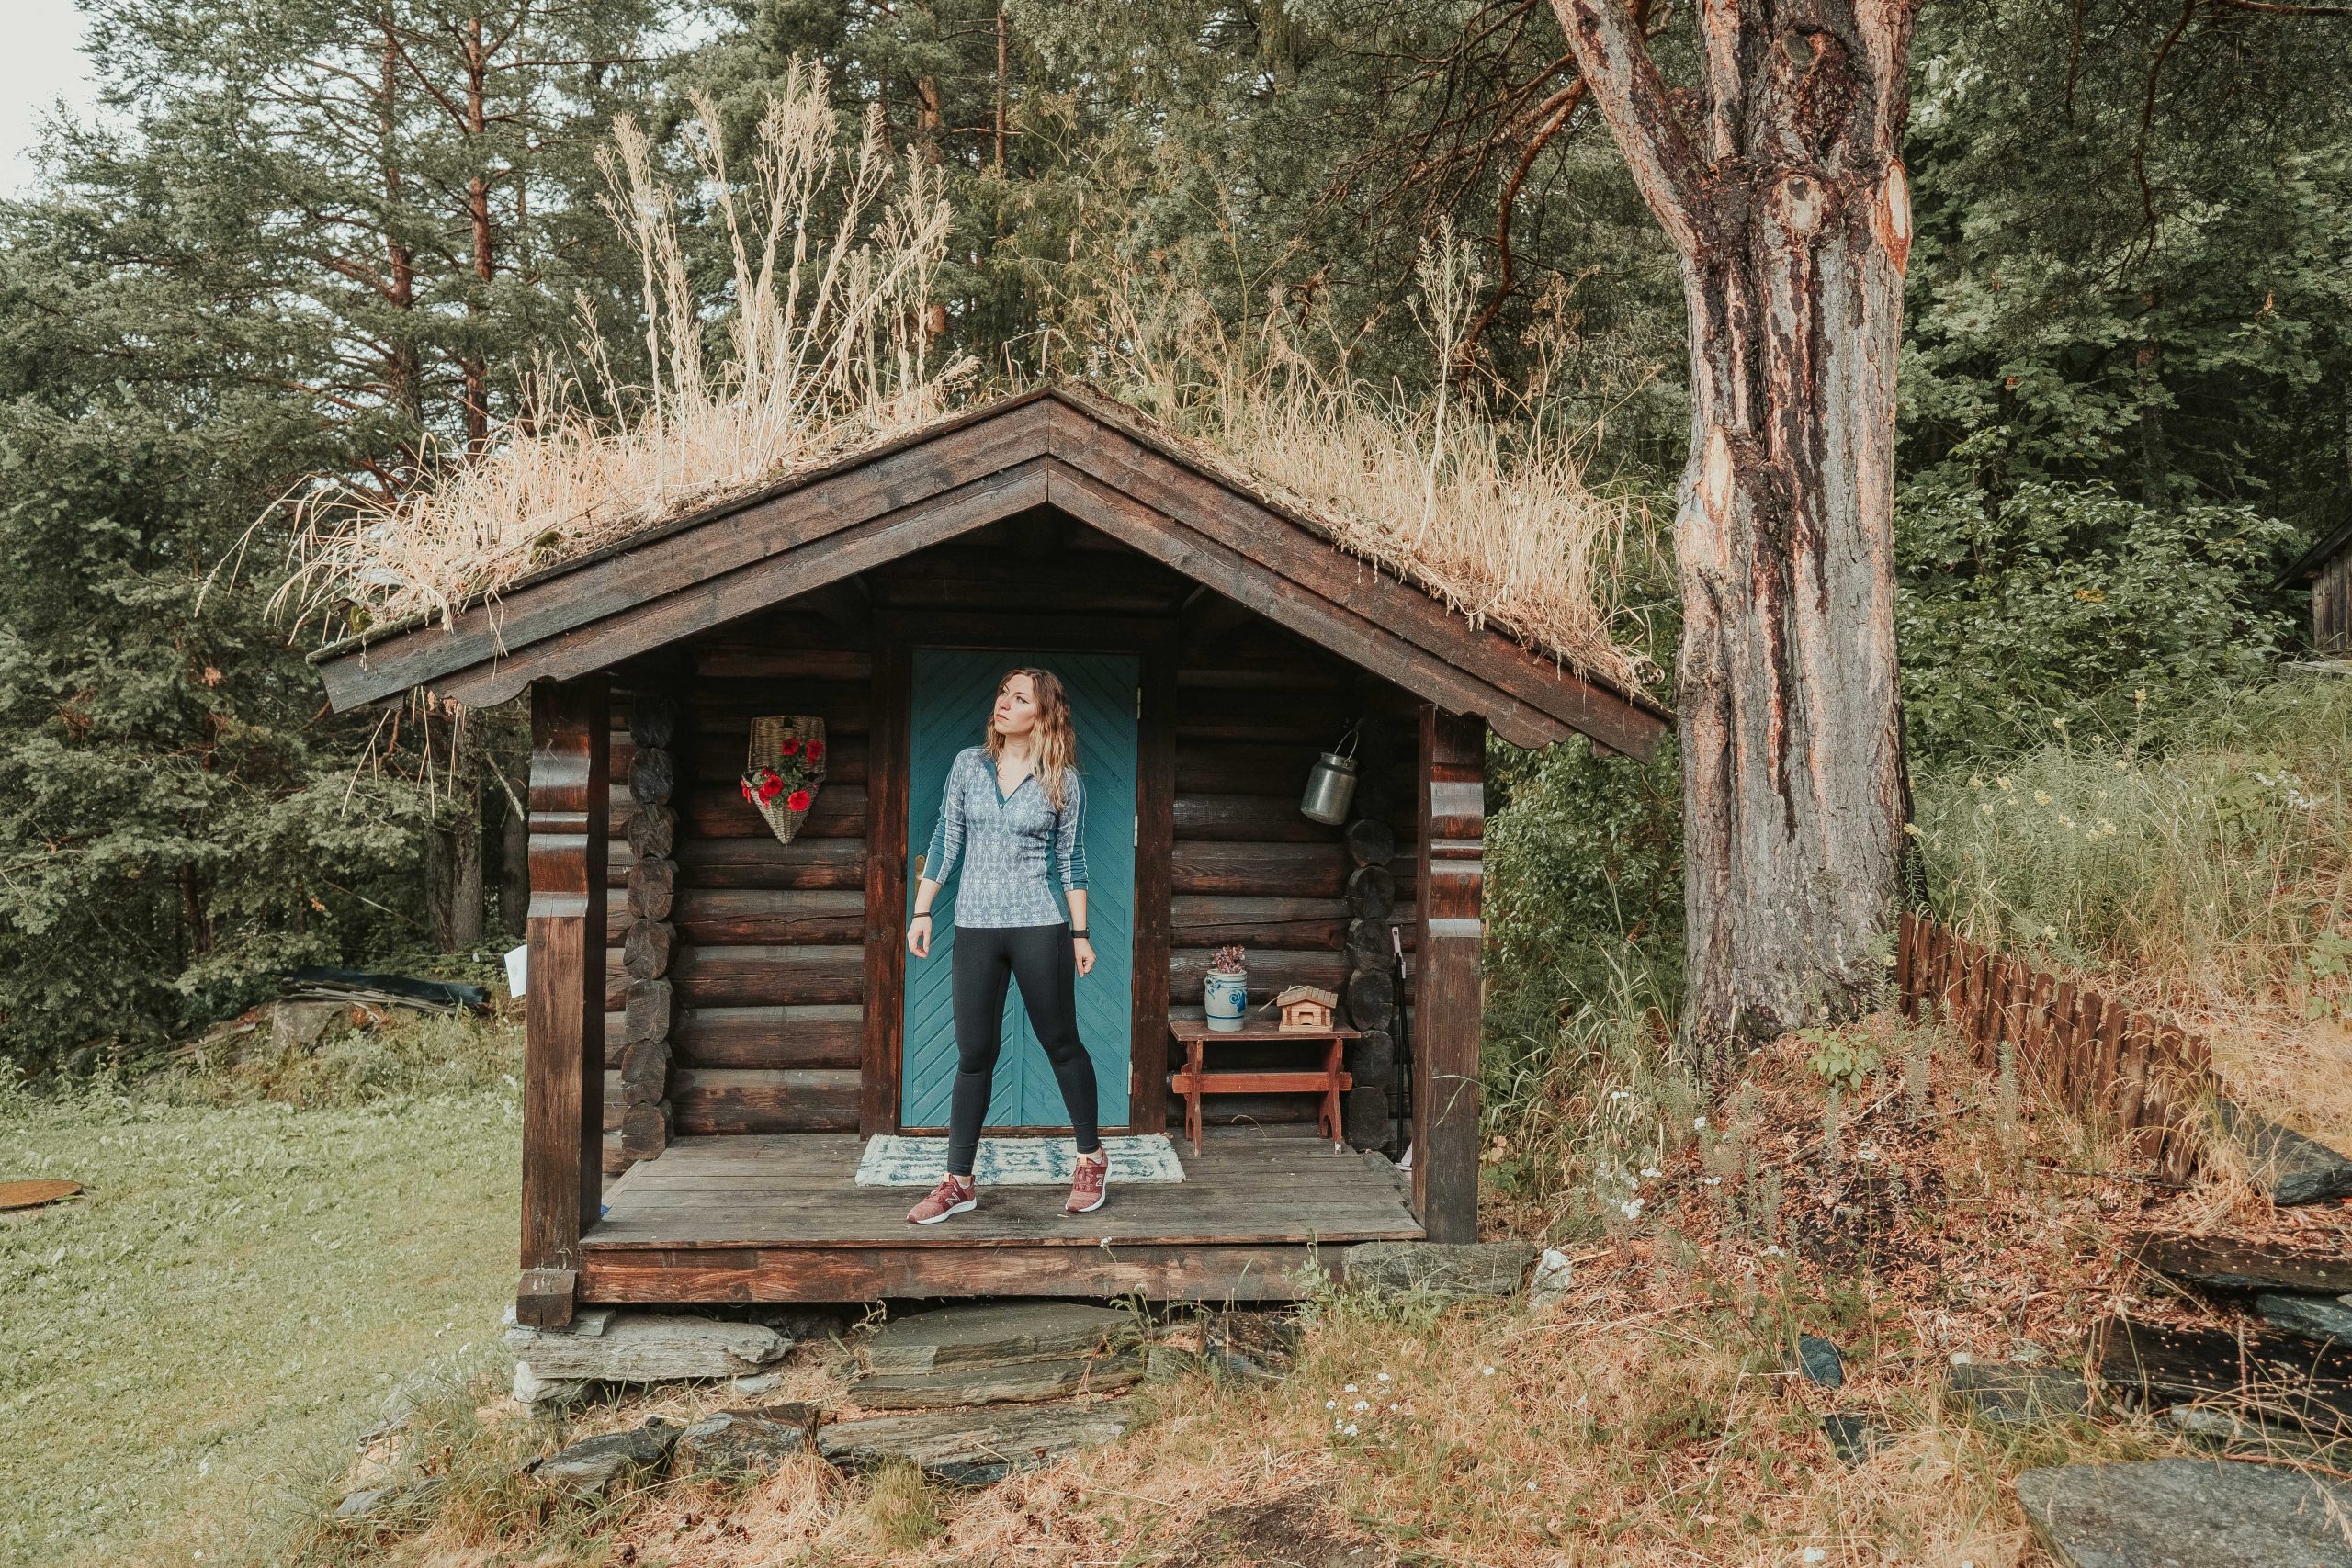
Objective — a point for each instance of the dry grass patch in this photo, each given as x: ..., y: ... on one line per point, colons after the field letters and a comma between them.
x: 1653, y: 1418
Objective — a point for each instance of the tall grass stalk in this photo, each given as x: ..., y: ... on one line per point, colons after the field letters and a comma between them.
x: 2217, y: 864
x: 1482, y: 500
x: 821, y: 347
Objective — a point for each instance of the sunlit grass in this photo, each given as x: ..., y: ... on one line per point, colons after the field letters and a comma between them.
x: 192, y: 1348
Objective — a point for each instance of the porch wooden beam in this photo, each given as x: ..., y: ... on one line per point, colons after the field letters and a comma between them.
x: 1450, y: 876
x: 563, y: 1079
x: 886, y: 890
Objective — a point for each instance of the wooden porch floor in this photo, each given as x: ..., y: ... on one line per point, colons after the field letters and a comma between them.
x: 780, y: 1218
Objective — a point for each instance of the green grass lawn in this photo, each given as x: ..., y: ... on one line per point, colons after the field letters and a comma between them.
x: 245, y: 1289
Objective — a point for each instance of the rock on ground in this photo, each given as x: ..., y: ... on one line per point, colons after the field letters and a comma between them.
x: 2313, y: 1317
x: 2175, y: 1513
x: 532, y: 1389
x: 2289, y: 1166
x: 992, y: 1334
x: 1854, y: 1437
x: 976, y: 1447
x: 1012, y: 1382
x: 1465, y: 1268
x: 588, y: 1468
x: 1552, y: 1280
x: 737, y: 1442
x: 1818, y: 1360
x: 1259, y: 1345
x: 646, y: 1348
x: 2011, y: 1395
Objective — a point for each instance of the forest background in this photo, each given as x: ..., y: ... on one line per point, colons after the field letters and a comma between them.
x: 345, y: 239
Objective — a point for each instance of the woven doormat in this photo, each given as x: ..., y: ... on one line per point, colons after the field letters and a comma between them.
x: 890, y: 1160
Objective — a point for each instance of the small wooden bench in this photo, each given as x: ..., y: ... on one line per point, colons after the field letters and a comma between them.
x: 1327, y: 1078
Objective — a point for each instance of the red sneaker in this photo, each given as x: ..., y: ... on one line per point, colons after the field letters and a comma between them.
x: 954, y: 1195
x: 1089, y: 1184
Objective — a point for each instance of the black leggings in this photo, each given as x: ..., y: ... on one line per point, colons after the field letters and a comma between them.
x: 1042, y: 960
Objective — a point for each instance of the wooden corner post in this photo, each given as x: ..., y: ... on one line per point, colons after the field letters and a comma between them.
x: 1450, y: 787
x: 563, y: 1054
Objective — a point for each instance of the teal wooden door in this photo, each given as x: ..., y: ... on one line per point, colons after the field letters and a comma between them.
x: 953, y: 691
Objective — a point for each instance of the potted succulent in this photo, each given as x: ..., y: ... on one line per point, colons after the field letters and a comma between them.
x: 1226, y: 991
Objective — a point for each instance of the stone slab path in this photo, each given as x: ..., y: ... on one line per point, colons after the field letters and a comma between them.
x: 2188, y: 1512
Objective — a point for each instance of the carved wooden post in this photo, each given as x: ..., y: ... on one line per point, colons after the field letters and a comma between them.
x: 1370, y: 992
x: 1446, y: 991
x: 563, y: 1070
x: 649, y: 1007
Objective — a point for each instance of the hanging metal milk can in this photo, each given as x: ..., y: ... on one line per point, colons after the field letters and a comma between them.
x: 1331, y: 784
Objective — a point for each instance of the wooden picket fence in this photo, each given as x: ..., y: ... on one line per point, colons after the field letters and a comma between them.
x: 2121, y: 1070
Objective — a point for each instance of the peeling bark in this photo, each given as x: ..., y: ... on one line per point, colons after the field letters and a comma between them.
x: 1785, y: 193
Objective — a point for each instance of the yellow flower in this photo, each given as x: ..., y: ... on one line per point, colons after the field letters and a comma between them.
x: 1912, y: 828
x: 2002, y: 780
x: 2042, y: 797
x: 2050, y: 933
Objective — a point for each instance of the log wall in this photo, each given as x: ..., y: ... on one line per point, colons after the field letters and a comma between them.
x: 769, y: 973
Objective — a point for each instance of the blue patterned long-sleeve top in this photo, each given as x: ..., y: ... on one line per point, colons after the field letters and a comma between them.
x: 1012, y: 847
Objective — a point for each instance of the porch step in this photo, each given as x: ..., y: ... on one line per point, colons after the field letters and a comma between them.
x: 991, y: 1334
x: 974, y: 1447
x: 1015, y: 1384
x: 995, y: 1353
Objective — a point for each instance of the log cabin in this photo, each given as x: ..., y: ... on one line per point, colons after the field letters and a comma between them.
x: 717, y: 1021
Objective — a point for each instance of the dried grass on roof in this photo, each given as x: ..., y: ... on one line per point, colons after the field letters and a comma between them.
x: 832, y: 253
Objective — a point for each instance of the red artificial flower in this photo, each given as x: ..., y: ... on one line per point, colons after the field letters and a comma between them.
x: 790, y: 747
x: 815, y: 749
x: 747, y: 791
x: 770, y: 787
x: 797, y: 801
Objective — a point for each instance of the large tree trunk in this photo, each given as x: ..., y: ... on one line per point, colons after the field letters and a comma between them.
x: 1784, y: 194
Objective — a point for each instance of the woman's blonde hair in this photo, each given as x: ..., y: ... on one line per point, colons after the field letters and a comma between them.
x: 1054, y: 755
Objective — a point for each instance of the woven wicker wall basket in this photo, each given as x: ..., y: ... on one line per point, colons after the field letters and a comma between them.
x: 781, y: 768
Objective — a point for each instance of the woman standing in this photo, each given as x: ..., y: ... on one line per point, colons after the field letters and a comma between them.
x: 1013, y: 812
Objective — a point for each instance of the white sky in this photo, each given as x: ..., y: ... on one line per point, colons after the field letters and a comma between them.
x: 41, y: 63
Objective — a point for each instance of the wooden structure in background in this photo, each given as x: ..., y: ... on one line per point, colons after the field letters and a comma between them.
x: 2124, y: 1070
x: 2326, y: 569
x: 763, y: 980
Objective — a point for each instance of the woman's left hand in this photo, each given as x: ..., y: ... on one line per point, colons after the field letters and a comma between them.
x: 1085, y: 950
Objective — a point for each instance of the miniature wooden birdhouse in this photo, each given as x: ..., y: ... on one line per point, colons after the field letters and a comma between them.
x: 1307, y: 1007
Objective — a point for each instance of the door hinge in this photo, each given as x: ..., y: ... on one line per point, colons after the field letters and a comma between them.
x: 1139, y: 701
x: 1138, y: 843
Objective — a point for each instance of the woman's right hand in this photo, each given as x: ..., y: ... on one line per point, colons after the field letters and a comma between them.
x: 919, y: 936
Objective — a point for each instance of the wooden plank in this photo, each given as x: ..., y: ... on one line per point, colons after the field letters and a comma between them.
x: 1162, y: 1271
x: 1156, y: 806
x: 1214, y: 919
x: 1248, y: 818
x: 1271, y: 970
x: 564, y: 1010
x: 794, y: 1035
x: 720, y: 542
x: 736, y: 1100
x: 1446, y: 986
x: 1296, y: 871
x: 719, y: 811
x: 1257, y: 768
x: 2282, y: 1375
x: 2221, y: 1264
x: 812, y: 564
x: 886, y: 893
x: 763, y: 863
x: 718, y: 761
x: 759, y: 915
x: 710, y: 977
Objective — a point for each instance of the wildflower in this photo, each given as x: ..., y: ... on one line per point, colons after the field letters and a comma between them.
x: 1775, y: 1251
x: 1350, y: 1388
x: 1383, y: 1377
x: 1531, y: 1486
x: 2065, y: 820
x: 1651, y: 1170
x: 1912, y: 828
x: 1986, y: 808
x: 1361, y: 1404
x: 1631, y: 1207
x: 2003, y: 783
x: 2122, y: 764
x: 2139, y: 699
x: 1815, y: 1554
x: 2042, y: 797
x: 1699, y: 1122
x: 2060, y: 725
x: 1714, y: 1181
x: 1621, y: 1094
x: 1485, y: 1371
x: 1350, y: 1429
x: 1977, y: 781
x: 1331, y: 1405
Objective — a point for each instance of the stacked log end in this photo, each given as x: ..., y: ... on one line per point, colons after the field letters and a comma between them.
x: 1369, y: 995
x: 650, y: 1009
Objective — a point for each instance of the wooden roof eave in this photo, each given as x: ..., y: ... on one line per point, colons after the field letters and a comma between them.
x: 1111, y: 473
